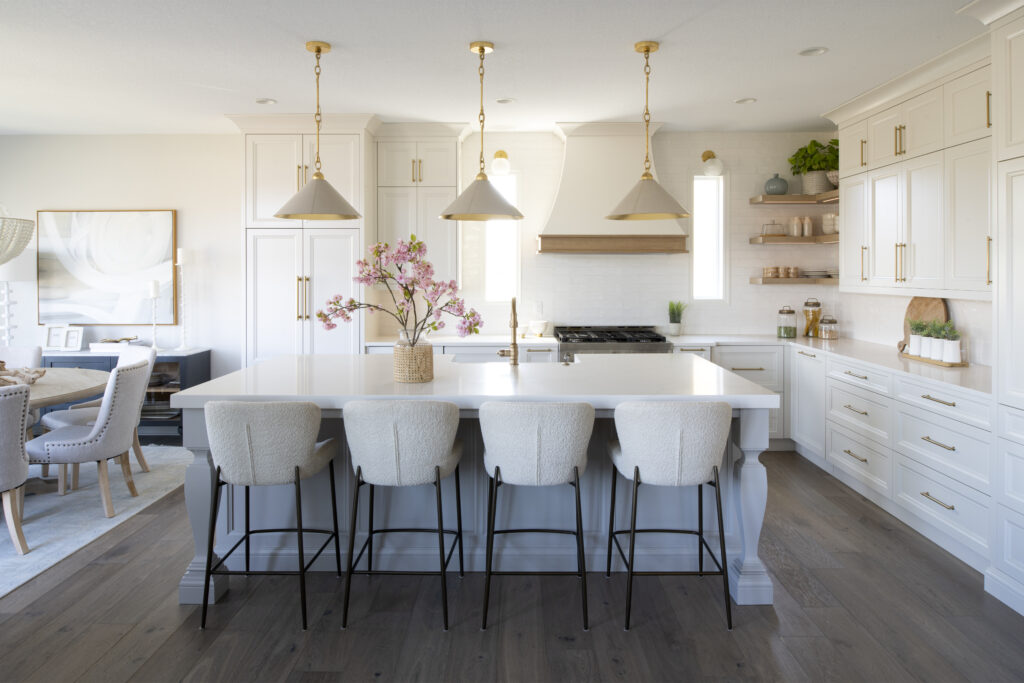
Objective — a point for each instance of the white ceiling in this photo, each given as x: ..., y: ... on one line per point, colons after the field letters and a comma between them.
x: 177, y: 66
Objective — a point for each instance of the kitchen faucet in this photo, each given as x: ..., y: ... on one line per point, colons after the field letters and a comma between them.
x: 512, y: 353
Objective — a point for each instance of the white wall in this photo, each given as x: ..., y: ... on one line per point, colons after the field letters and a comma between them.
x: 198, y: 175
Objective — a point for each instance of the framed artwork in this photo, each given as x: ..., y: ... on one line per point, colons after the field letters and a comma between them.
x: 95, y: 267
x: 63, y: 338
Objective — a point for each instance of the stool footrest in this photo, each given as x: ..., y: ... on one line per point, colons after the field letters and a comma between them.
x: 217, y: 570
x: 366, y: 544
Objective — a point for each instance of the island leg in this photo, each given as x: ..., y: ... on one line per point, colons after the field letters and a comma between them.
x: 749, y: 578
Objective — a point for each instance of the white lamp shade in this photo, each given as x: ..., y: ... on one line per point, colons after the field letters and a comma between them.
x: 647, y: 201
x: 318, y: 201
x: 714, y: 167
x: 500, y: 165
x: 15, y: 234
x: 481, y: 201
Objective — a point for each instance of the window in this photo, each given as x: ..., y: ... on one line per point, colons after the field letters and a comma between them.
x: 708, y: 237
x: 501, y: 247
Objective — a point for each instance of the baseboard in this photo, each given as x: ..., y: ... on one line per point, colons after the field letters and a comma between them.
x: 1007, y: 590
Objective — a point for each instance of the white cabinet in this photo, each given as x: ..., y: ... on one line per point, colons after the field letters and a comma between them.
x: 907, y: 130
x: 883, y: 147
x: 764, y: 365
x: 885, y: 216
x: 1008, y: 95
x: 289, y: 275
x: 968, y: 106
x: 968, y: 191
x: 704, y: 351
x: 807, y: 400
x: 408, y: 163
x: 277, y: 166
x: 1010, y: 288
x: 853, y: 143
x: 853, y: 239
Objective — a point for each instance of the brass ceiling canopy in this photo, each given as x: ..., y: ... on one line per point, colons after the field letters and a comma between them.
x: 481, y: 201
x: 647, y: 200
x: 317, y: 200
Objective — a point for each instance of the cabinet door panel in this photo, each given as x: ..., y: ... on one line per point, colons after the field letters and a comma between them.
x: 1008, y: 94
x: 853, y: 149
x: 273, y: 173
x: 922, y: 117
x: 884, y: 224
x: 1010, y: 292
x: 396, y: 213
x: 807, y: 398
x: 435, y: 164
x: 330, y: 256
x: 968, y: 116
x: 273, y: 266
x: 440, y: 236
x: 881, y: 147
x: 968, y: 213
x: 853, y: 259
x: 922, y: 258
x: 396, y: 164
x: 339, y: 161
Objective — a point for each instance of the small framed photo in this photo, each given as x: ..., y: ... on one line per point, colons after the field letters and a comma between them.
x: 73, y: 338
x: 63, y: 338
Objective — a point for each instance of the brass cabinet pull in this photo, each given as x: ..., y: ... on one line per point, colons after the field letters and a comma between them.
x: 903, y: 261
x: 988, y: 108
x: 854, y: 374
x: 938, y: 443
x: 903, y: 139
x: 692, y: 351
x: 896, y: 141
x: 539, y: 350
x: 298, y: 177
x: 305, y: 174
x: 859, y: 412
x: 951, y: 404
x: 896, y: 262
x: 748, y: 369
x: 414, y: 170
x: 421, y: 170
x: 854, y: 455
x: 862, y: 143
x: 988, y: 260
x: 305, y: 300
x: 936, y: 500
x: 804, y: 353
x: 298, y: 297
x: 862, y: 250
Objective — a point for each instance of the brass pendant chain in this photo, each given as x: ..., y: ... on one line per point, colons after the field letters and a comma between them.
x: 481, y: 117
x: 317, y: 117
x: 647, y: 112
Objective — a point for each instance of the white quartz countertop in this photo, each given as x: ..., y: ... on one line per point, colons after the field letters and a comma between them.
x: 474, y: 340
x: 604, y: 381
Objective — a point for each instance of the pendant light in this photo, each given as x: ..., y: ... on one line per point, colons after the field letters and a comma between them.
x: 317, y: 200
x: 481, y: 201
x: 647, y: 200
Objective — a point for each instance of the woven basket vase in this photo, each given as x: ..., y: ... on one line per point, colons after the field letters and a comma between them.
x: 414, y: 364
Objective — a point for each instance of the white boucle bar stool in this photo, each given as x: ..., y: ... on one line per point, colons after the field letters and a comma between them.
x: 670, y: 443
x: 535, y: 444
x: 403, y: 443
x: 268, y: 444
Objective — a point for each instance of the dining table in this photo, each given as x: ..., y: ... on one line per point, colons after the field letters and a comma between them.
x: 63, y: 385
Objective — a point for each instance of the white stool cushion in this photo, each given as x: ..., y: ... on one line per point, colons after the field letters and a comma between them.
x: 536, y: 444
x: 674, y: 443
x: 79, y: 417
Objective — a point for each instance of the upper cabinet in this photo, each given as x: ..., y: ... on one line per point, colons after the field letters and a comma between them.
x: 969, y: 204
x: 405, y: 163
x: 853, y: 143
x: 907, y: 130
x: 1008, y: 96
x: 968, y: 106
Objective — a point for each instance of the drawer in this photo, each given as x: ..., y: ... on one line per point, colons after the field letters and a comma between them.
x: 1008, y: 541
x: 860, y: 375
x: 955, y: 449
x: 864, y: 412
x: 1009, y: 474
x: 1011, y: 423
x: 863, y: 460
x: 466, y: 353
x: 702, y: 351
x: 536, y: 354
x: 760, y: 364
x: 379, y: 350
x: 956, y: 509
x: 945, y: 400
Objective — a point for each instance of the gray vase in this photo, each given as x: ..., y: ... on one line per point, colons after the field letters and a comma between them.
x: 776, y: 185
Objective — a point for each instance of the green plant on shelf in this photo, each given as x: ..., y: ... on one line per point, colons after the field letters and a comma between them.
x: 675, y: 311
x: 815, y: 156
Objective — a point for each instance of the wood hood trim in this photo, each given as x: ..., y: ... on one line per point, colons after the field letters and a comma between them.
x: 611, y: 244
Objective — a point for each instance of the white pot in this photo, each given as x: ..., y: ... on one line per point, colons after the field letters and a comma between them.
x: 951, y: 351
x: 816, y: 182
x: 937, y: 348
x: 674, y: 329
x: 926, y: 347
x: 914, y: 349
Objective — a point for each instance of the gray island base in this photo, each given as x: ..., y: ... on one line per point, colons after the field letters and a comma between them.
x: 601, y: 380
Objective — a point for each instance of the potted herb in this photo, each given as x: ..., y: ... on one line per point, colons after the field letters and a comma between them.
x: 950, y: 343
x: 675, y: 317
x: 916, y: 331
x: 813, y: 161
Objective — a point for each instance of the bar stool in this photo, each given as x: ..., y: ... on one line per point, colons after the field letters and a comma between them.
x: 397, y: 444
x: 670, y: 443
x: 535, y: 444
x: 267, y: 444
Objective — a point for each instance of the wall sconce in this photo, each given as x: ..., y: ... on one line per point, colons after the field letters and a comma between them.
x: 500, y: 165
x: 712, y: 164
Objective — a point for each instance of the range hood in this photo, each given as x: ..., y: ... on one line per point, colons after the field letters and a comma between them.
x: 602, y: 162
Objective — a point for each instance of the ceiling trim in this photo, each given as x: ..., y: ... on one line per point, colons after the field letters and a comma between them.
x: 304, y: 123
x: 990, y: 11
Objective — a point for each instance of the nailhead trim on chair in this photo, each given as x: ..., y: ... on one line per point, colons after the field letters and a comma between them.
x: 24, y: 425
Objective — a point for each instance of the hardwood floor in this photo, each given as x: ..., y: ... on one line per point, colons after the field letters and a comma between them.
x: 859, y: 596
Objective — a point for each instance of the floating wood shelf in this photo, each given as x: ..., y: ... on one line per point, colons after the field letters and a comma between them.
x: 794, y: 281
x: 830, y: 197
x: 787, y: 239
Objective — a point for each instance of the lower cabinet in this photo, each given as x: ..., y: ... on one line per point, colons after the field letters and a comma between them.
x: 702, y: 351
x: 1008, y: 541
x: 807, y: 399
x: 764, y: 365
x: 867, y: 462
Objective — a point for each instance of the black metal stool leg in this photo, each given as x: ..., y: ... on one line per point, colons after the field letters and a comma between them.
x: 351, y: 544
x: 611, y: 524
x: 581, y: 556
x: 246, y: 528
x: 334, y: 517
x: 721, y: 545
x: 440, y: 544
x: 369, y: 544
x: 458, y: 519
x: 491, y: 496
x: 700, y: 530
x: 215, y: 503
x: 302, y: 556
x: 632, y: 545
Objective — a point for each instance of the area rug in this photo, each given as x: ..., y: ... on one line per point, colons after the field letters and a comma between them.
x: 57, y: 526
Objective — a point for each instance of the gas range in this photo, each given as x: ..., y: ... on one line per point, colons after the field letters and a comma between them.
x: 609, y: 339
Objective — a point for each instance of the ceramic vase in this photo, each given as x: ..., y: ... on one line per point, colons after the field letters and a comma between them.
x: 936, y: 349
x: 776, y: 185
x: 926, y: 347
x: 816, y: 182
x: 914, y: 349
x: 951, y: 351
x: 674, y: 329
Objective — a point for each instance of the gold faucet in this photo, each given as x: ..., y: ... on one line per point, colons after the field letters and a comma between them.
x: 512, y: 353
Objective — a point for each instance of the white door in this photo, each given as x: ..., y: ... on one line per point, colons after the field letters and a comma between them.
x: 330, y: 257
x: 853, y: 239
x: 885, y: 217
x: 968, y: 214
x: 882, y: 144
x: 273, y: 174
x: 396, y: 213
x: 435, y: 163
x: 853, y: 143
x: 440, y: 236
x: 1008, y: 92
x: 339, y: 162
x: 922, y: 259
x: 1010, y: 288
x: 807, y: 400
x: 968, y: 113
x: 396, y: 164
x: 273, y: 293
x: 922, y: 120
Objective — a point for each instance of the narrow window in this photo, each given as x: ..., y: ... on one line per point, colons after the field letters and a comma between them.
x: 708, y: 238
x: 501, y: 247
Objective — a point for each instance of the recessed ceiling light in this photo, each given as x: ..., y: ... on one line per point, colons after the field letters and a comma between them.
x: 813, y: 52
x: 266, y: 100
x: 745, y: 100
x: 505, y: 100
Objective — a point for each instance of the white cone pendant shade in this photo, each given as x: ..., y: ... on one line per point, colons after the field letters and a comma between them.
x: 647, y: 201
x: 481, y: 201
x: 318, y: 201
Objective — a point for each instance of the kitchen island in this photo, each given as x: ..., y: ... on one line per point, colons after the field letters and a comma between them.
x: 604, y: 381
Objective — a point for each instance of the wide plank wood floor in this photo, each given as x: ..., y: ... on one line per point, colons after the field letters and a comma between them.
x: 859, y: 597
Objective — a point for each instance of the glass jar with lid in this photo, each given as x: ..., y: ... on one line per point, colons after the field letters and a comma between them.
x: 828, y: 328
x: 785, y: 325
x: 812, y: 317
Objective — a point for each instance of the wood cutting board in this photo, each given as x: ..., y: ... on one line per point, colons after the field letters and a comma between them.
x: 922, y: 308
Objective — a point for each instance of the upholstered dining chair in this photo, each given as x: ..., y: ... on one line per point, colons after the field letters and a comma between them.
x: 25, y: 357
x: 13, y: 461
x: 110, y: 437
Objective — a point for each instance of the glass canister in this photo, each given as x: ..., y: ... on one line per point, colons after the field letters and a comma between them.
x: 828, y: 328
x: 812, y: 317
x: 785, y: 325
